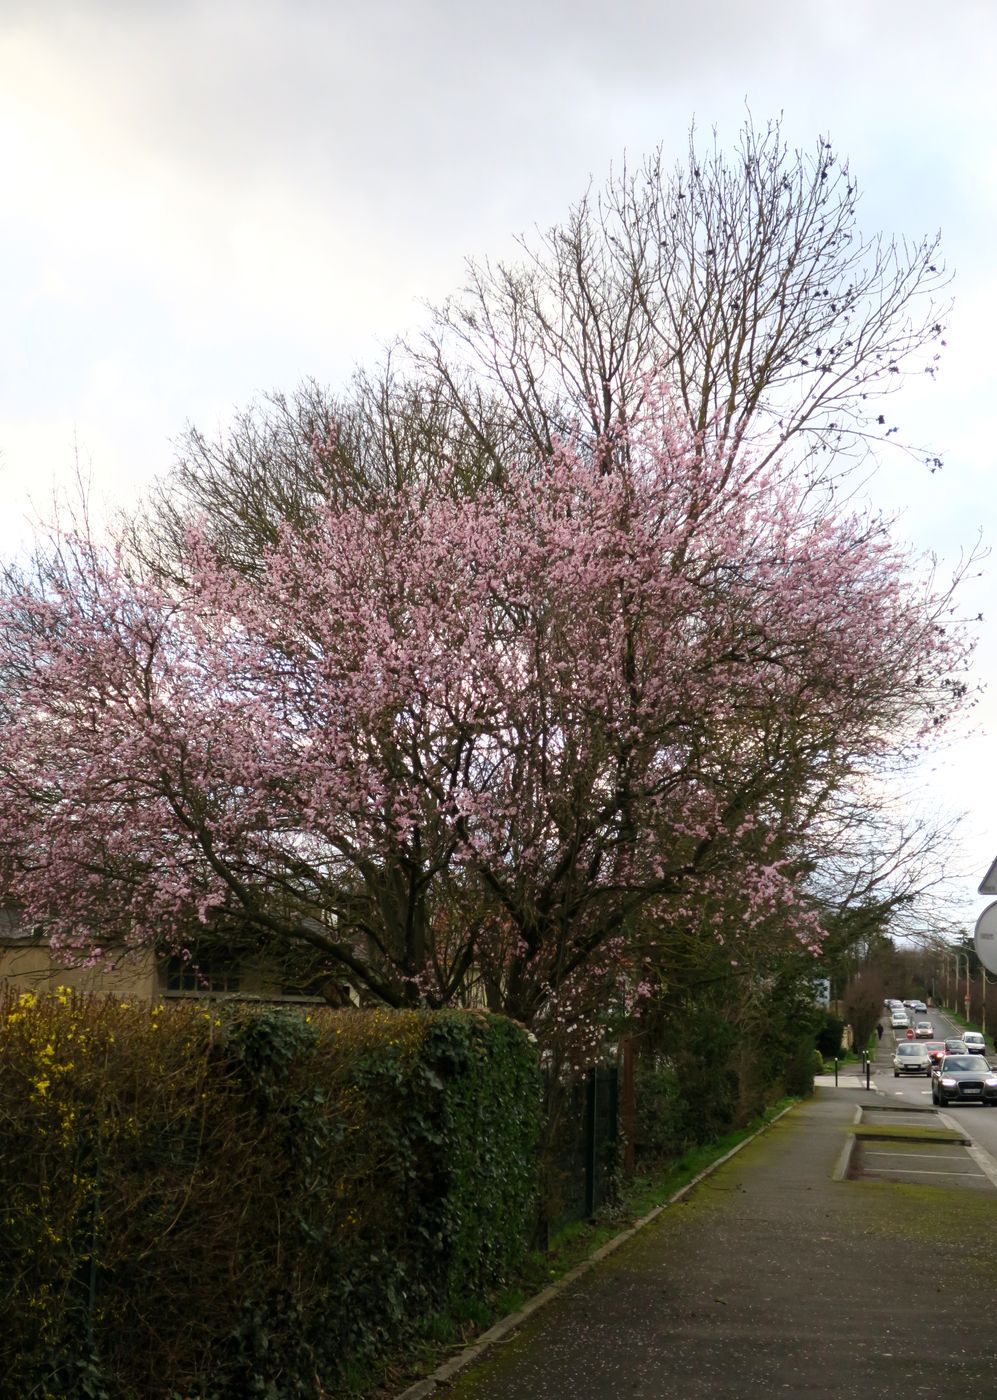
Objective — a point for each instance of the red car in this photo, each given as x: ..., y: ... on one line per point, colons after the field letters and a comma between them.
x: 935, y: 1049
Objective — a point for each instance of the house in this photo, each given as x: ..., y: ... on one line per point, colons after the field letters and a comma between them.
x: 28, y: 963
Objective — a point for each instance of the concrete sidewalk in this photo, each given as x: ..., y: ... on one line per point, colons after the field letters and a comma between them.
x: 771, y: 1278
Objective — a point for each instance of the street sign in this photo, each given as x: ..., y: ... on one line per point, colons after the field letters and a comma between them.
x: 910, y: 1033
x: 985, y: 937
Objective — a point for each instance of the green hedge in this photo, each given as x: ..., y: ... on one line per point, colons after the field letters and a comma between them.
x: 706, y: 1075
x: 216, y: 1204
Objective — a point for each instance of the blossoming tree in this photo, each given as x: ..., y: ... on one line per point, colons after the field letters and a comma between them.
x: 459, y: 744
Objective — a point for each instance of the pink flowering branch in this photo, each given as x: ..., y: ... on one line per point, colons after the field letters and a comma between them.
x: 463, y: 746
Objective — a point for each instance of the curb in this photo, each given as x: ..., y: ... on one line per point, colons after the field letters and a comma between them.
x: 429, y: 1384
x: 983, y: 1159
x: 887, y: 1133
x: 844, y: 1162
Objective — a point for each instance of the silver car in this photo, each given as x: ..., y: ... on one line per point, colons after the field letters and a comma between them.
x: 911, y: 1058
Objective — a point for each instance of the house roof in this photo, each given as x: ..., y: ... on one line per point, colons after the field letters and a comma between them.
x: 988, y: 885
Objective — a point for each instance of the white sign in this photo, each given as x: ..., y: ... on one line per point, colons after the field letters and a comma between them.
x: 985, y: 938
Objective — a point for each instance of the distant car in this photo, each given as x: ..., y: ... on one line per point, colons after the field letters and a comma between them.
x: 955, y: 1047
x: 911, y: 1058
x: 935, y: 1049
x: 974, y: 1042
x: 963, y: 1079
x: 918, y: 1006
x: 900, y: 1021
x: 924, y: 1030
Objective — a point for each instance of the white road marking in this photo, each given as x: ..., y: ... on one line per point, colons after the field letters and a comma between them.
x: 900, y: 1171
x: 934, y: 1156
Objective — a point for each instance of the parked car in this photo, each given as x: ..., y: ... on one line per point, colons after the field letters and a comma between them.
x: 963, y: 1079
x: 911, y: 1058
x: 924, y: 1030
x: 974, y: 1043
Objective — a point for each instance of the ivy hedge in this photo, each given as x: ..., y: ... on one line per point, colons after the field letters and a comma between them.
x: 219, y: 1204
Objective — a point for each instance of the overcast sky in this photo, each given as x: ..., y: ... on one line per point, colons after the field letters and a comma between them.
x: 205, y: 201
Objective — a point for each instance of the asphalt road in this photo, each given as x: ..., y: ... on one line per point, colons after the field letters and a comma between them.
x: 976, y: 1120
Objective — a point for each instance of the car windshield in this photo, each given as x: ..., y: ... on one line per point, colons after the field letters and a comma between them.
x: 971, y: 1063
x: 910, y: 1050
x: 955, y: 1046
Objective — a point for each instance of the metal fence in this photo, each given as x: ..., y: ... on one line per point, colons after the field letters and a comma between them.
x: 583, y: 1144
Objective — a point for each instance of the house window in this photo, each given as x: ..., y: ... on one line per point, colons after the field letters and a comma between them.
x: 182, y: 977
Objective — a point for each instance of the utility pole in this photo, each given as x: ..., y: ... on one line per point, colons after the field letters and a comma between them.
x: 961, y: 953
x: 983, y: 1002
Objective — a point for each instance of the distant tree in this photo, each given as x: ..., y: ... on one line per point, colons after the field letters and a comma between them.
x: 863, y: 1004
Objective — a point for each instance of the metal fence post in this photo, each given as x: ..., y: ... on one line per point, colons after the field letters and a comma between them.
x: 590, y: 1141
x: 611, y: 1151
x: 629, y: 1109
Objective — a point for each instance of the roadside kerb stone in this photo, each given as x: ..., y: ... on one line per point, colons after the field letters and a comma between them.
x: 844, y: 1162
x: 890, y: 1132
x: 446, y: 1372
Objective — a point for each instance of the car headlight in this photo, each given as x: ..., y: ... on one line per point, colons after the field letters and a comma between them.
x: 991, y: 1083
x: 949, y: 1083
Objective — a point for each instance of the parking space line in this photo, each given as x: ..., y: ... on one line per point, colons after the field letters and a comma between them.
x: 932, y: 1156
x: 902, y: 1171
